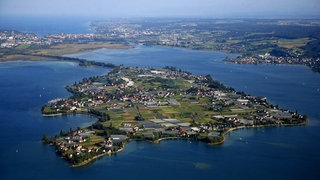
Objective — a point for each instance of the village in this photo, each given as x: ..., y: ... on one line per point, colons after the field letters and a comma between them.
x: 14, y: 39
x: 153, y: 104
x: 269, y: 59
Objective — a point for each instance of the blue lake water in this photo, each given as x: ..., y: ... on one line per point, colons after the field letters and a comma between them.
x: 264, y: 153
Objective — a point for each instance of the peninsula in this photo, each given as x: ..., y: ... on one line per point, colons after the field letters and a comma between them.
x: 152, y: 104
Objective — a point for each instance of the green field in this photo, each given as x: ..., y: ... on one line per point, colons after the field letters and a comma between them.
x: 293, y: 43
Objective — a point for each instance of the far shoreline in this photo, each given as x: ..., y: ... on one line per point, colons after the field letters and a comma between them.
x: 110, y: 46
x: 60, y: 50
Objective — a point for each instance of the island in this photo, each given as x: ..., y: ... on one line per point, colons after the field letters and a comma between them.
x: 153, y: 104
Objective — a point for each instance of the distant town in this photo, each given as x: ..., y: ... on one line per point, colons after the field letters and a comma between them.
x: 19, y: 40
x: 274, y: 41
x: 153, y: 104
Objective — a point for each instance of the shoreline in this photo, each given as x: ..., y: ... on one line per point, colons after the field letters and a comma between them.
x: 231, y: 130
x: 36, y: 57
x: 52, y: 115
x: 61, y: 50
x: 88, y: 161
x: 166, y: 138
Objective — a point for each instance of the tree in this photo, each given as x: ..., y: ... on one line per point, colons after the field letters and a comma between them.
x: 107, y: 133
x: 138, y: 118
x: 46, y: 139
x: 61, y: 133
x: 98, y: 126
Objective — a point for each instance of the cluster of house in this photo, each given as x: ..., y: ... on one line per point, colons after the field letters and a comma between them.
x: 117, y: 88
x: 166, y: 34
x: 261, y: 112
x: 73, y: 143
x: 165, y: 127
x: 11, y: 39
x: 62, y: 37
x: 269, y: 59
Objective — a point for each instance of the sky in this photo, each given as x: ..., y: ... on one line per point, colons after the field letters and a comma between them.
x: 163, y: 8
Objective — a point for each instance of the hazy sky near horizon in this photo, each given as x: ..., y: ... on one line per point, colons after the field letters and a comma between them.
x: 163, y: 8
